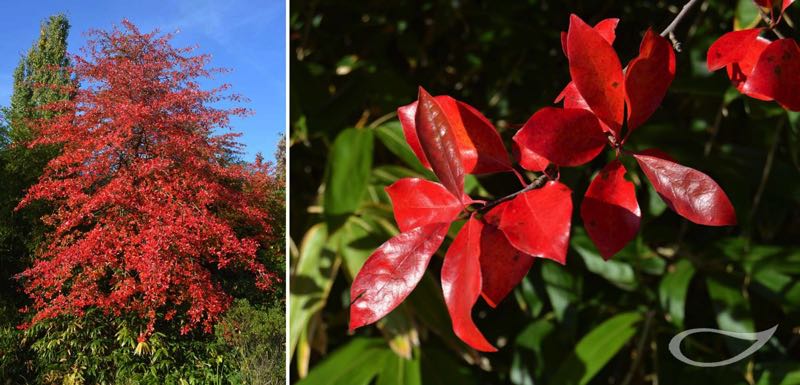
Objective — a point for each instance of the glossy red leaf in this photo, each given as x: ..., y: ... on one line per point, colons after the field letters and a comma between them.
x: 479, y: 144
x: 565, y: 137
x: 502, y: 266
x: 607, y: 28
x: 391, y: 272
x: 610, y: 211
x: 537, y: 222
x: 688, y: 192
x: 596, y: 72
x: 648, y: 77
x: 418, y: 202
x: 438, y: 143
x: 730, y: 48
x: 461, y: 284
x: 777, y: 74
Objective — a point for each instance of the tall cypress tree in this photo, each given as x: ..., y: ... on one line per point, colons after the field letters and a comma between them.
x: 37, y: 81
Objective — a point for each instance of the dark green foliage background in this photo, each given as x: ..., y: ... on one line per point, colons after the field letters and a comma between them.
x: 247, y: 345
x: 354, y: 62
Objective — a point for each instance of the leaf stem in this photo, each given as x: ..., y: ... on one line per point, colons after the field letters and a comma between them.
x: 538, y: 182
x: 681, y: 15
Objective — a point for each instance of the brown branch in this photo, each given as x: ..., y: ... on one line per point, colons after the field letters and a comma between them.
x: 538, y: 182
x: 681, y: 15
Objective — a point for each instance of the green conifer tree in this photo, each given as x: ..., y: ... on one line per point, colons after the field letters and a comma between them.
x: 43, y: 67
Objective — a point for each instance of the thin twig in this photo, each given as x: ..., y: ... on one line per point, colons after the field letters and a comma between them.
x: 767, y: 169
x: 681, y: 15
x: 538, y: 182
x: 639, y: 350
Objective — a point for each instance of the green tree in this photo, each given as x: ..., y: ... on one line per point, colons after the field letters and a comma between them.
x: 37, y: 81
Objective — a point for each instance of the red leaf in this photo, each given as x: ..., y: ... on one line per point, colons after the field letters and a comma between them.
x: 526, y: 158
x: 481, y: 148
x: 777, y: 74
x: 730, y: 48
x: 461, y: 284
x: 573, y: 99
x: 648, y: 77
x: 739, y: 72
x: 565, y: 137
x: 391, y: 272
x: 438, y: 142
x: 786, y: 4
x: 610, y: 211
x: 407, y: 114
x: 607, y: 28
x: 597, y: 72
x: 502, y: 266
x: 492, y: 155
x: 537, y: 222
x: 688, y: 192
x: 418, y: 202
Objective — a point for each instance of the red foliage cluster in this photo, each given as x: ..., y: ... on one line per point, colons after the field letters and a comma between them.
x: 496, y: 246
x: 147, y: 202
x: 759, y: 68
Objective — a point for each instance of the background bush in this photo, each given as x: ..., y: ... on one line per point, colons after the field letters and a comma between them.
x: 354, y: 62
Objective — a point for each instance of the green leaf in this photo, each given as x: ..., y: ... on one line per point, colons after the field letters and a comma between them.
x: 787, y: 373
x: 347, y: 175
x: 747, y: 15
x: 732, y: 308
x: 618, y: 273
x: 311, y: 281
x: 391, y: 135
x: 439, y: 367
x: 597, y: 348
x: 536, y: 346
x: 672, y: 291
x: 563, y: 288
x: 401, y: 371
x: 655, y: 205
x: 355, y: 363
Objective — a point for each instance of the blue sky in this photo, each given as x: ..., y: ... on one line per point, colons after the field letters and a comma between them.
x: 248, y: 37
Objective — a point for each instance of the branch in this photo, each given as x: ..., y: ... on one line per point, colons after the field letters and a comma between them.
x: 538, y: 182
x: 681, y: 15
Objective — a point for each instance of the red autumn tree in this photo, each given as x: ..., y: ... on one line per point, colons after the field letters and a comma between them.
x: 148, y: 204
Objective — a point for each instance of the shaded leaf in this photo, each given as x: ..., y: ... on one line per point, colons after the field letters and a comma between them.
x: 479, y: 144
x: 438, y: 143
x: 673, y: 289
x: 502, y: 266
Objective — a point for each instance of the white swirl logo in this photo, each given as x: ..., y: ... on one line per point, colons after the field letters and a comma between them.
x: 761, y: 338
